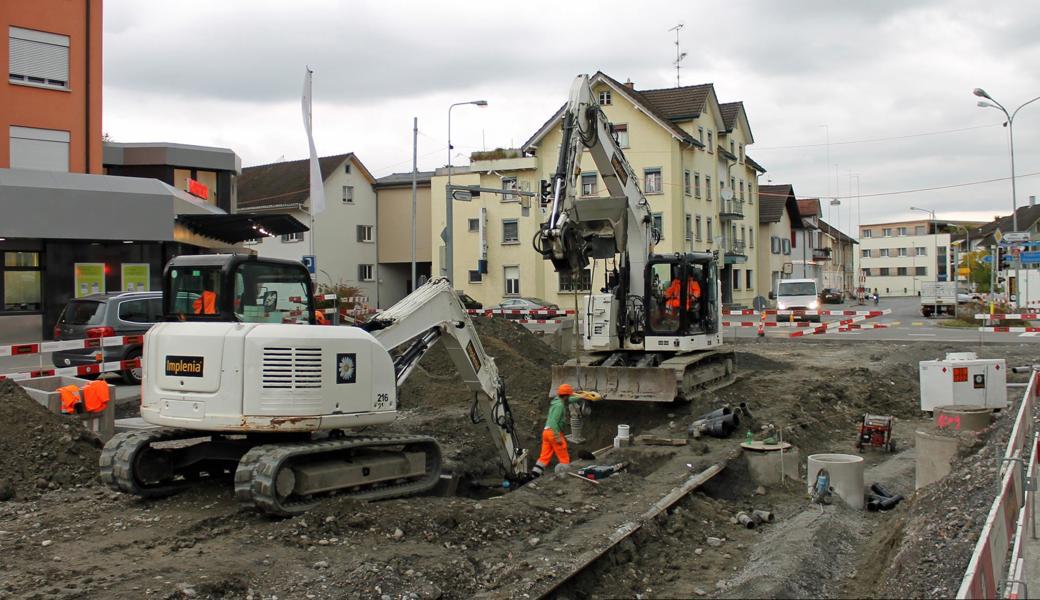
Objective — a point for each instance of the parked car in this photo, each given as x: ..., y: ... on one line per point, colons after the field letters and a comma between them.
x: 468, y: 300
x: 964, y: 296
x: 831, y: 296
x: 524, y: 303
x: 106, y: 315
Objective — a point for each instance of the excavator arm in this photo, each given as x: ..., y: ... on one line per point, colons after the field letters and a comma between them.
x: 577, y: 228
x: 434, y: 312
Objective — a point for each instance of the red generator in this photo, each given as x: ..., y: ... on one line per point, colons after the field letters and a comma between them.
x: 876, y: 432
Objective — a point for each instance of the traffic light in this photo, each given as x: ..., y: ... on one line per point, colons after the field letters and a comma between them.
x: 545, y: 191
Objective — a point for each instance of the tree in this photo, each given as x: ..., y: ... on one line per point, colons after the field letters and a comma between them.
x: 980, y: 271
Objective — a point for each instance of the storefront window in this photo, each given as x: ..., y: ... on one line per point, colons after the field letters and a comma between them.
x: 22, y: 259
x: 22, y: 290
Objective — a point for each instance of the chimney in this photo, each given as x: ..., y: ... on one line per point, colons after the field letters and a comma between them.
x: 1032, y: 201
x: 629, y: 84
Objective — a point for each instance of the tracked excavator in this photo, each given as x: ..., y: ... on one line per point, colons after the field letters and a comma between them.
x: 652, y: 331
x: 242, y: 382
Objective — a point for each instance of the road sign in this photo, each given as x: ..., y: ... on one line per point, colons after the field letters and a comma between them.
x: 311, y: 263
x: 462, y: 195
x: 1016, y: 236
x: 964, y: 271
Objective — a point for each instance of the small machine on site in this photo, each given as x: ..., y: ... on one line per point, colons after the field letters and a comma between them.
x: 876, y: 432
x: 963, y: 379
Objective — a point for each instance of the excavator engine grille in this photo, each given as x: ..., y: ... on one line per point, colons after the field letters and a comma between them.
x: 291, y: 368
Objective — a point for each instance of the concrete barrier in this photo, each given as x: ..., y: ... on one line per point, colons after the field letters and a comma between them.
x: 45, y: 391
x: 846, y: 473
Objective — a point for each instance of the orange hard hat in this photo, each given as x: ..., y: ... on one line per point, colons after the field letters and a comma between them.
x: 565, y: 390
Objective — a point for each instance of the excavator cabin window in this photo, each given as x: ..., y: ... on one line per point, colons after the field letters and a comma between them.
x: 270, y: 293
x: 677, y: 297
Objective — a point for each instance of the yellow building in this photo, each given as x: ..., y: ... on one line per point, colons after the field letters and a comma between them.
x: 691, y: 154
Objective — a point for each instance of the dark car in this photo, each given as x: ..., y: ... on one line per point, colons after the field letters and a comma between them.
x: 107, y: 315
x: 468, y: 300
x: 524, y: 303
x: 831, y: 296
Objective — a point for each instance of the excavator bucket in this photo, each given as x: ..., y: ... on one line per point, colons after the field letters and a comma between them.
x: 642, y: 384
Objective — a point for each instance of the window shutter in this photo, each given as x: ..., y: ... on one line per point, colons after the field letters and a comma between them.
x: 361, y: 272
x: 39, y: 55
x: 360, y: 233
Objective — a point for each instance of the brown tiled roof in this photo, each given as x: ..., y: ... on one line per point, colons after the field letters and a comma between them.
x: 772, y: 199
x: 834, y: 231
x: 808, y: 207
x: 282, y: 183
x: 679, y: 103
x: 730, y: 112
x: 754, y: 164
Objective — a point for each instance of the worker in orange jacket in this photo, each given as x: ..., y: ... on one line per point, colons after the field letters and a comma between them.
x: 693, y: 293
x: 553, y: 441
x: 206, y: 304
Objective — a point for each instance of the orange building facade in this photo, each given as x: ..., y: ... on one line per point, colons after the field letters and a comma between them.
x: 50, y: 104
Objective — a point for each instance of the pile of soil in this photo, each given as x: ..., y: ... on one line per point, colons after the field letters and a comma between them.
x: 945, y: 519
x: 40, y: 450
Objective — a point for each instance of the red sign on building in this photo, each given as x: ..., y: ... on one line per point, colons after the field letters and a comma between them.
x: 198, y: 189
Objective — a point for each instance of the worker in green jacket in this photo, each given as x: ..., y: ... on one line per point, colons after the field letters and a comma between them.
x: 553, y: 441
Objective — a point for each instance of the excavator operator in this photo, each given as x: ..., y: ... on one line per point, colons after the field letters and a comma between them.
x: 693, y: 293
x: 206, y: 304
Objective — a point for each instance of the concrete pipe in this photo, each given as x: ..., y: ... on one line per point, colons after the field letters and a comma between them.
x: 745, y: 519
x: 764, y: 516
x: 962, y: 418
x: 846, y: 475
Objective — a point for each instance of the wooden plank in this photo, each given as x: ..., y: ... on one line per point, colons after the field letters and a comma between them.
x: 656, y: 440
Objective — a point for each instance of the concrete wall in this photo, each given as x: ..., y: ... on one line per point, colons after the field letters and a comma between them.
x: 395, y: 224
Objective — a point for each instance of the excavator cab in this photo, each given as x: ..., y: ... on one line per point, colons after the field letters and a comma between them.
x: 680, y: 295
x: 237, y: 288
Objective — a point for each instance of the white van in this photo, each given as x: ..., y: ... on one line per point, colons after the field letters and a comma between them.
x: 797, y: 294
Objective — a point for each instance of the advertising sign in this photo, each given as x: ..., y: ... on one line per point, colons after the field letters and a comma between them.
x: 89, y: 279
x: 136, y: 277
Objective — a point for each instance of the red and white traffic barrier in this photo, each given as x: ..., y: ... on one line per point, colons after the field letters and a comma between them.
x: 1009, y: 329
x: 539, y: 321
x: 540, y: 311
x: 808, y: 313
x: 826, y: 327
x: 92, y: 369
x: 989, y: 574
x: 852, y: 326
x: 1021, y: 316
x: 89, y: 343
x: 739, y: 312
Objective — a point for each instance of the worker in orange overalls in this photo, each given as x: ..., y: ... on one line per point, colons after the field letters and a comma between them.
x: 319, y: 317
x: 206, y: 304
x: 553, y: 441
x: 693, y: 293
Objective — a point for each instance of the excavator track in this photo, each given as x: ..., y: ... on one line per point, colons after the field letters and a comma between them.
x: 131, y: 465
x: 269, y: 477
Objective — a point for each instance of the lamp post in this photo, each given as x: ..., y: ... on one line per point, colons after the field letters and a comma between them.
x: 448, y: 211
x: 981, y: 93
x: 931, y: 228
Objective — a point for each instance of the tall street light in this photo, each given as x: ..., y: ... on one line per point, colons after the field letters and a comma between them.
x: 931, y: 231
x: 981, y: 93
x: 448, y: 211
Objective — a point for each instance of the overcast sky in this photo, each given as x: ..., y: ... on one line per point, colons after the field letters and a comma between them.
x: 889, y: 83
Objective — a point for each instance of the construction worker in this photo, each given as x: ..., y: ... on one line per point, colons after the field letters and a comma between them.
x: 693, y: 293
x: 206, y: 304
x: 553, y: 441
x: 319, y: 317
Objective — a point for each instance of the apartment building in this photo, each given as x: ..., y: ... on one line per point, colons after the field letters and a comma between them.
x: 394, y: 224
x: 342, y: 239
x: 896, y: 258
x: 690, y: 152
x: 777, y: 217
x: 838, y: 257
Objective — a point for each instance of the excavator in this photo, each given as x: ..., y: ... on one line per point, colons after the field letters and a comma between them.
x: 239, y: 383
x: 652, y: 332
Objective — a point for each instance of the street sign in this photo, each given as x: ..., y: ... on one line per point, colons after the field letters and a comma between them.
x: 1016, y: 236
x: 311, y: 263
x: 964, y: 271
x: 462, y: 195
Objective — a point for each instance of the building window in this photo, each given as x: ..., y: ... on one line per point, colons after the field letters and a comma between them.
x: 921, y: 251
x: 40, y: 149
x: 509, y: 183
x: 919, y: 230
x: 700, y: 134
x: 867, y: 233
x: 22, y: 289
x: 710, y: 232
x: 475, y: 277
x: 38, y: 58
x: 688, y: 225
x: 785, y: 246
x: 510, y: 231
x: 348, y: 194
x: 365, y: 233
x: 659, y: 223
x: 747, y: 279
x: 741, y: 190
x: 652, y: 179
x: 697, y: 185
x: 884, y: 252
x: 366, y: 272
x: 864, y: 253
x: 886, y: 232
x: 751, y: 236
x: 732, y: 183
x: 774, y: 244
x: 604, y: 98
x: 903, y: 252
x: 707, y: 188
x: 588, y: 184
x: 866, y: 273
x: 568, y: 283
x: 732, y: 147
x: 900, y: 271
x: 742, y: 153
x: 697, y: 228
x: 883, y: 271
x: 711, y: 141
x: 736, y: 279
x: 621, y: 135
x: 686, y: 182
x: 474, y: 225
x: 920, y: 271
x: 900, y: 230
x: 293, y: 237
x: 750, y: 195
x: 512, y: 277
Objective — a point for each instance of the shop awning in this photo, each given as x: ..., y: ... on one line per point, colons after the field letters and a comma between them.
x: 237, y: 228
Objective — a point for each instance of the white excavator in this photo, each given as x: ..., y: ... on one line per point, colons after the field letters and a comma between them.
x: 240, y: 383
x: 652, y: 332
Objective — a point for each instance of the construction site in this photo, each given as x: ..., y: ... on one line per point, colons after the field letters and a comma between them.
x: 666, y: 525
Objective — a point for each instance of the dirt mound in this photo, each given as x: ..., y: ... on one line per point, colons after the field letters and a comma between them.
x: 40, y: 450
x: 944, y: 522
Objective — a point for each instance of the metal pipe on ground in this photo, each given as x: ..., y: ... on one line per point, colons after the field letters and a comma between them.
x: 744, y: 519
x: 715, y: 414
x: 765, y: 516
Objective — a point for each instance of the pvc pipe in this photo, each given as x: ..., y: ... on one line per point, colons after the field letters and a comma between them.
x: 623, y: 431
x: 765, y: 516
x: 846, y: 475
x: 745, y: 520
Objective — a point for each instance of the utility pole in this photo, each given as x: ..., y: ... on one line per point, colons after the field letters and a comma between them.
x: 679, y: 54
x: 415, y: 174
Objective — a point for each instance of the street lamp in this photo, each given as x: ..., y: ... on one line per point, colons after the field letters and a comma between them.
x: 448, y: 211
x: 1010, y: 124
x: 931, y: 228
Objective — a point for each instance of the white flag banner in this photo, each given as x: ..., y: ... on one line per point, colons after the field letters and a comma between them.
x: 317, y: 184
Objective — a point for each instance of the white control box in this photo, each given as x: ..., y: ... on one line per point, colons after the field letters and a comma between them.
x: 963, y: 379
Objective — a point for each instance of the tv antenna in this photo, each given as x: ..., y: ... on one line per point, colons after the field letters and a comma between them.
x: 679, y: 54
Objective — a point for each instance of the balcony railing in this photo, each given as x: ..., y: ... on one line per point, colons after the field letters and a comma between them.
x: 735, y: 252
x: 821, y: 253
x: 731, y: 209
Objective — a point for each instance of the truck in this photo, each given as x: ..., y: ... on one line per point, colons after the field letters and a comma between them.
x: 797, y: 295
x: 938, y: 297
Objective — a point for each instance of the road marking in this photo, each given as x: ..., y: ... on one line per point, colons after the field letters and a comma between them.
x: 917, y: 324
x: 1029, y: 334
x: 922, y: 334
